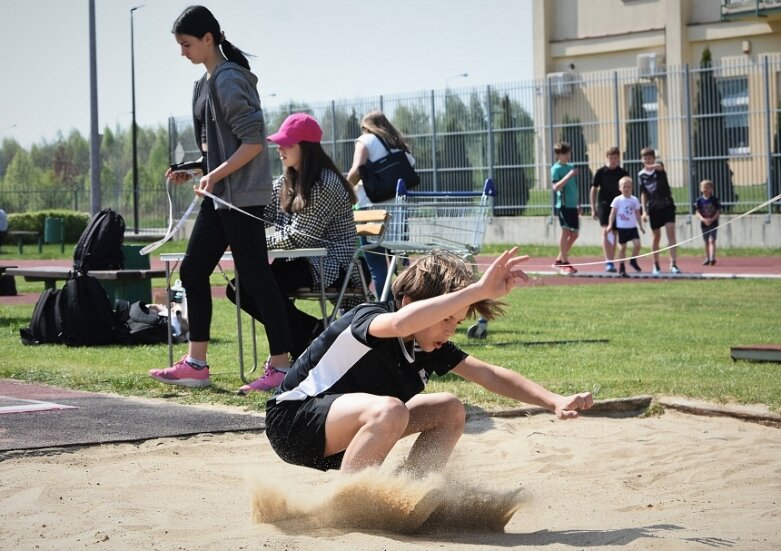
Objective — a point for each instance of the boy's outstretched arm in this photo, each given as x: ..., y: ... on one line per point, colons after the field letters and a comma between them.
x: 498, y: 280
x: 513, y: 385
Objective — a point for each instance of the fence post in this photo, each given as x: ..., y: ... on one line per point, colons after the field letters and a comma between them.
x: 490, y: 136
x: 549, y: 96
x: 616, y: 109
x: 769, y: 140
x: 689, y: 138
x: 333, y: 129
x: 382, y: 104
x: 434, y: 142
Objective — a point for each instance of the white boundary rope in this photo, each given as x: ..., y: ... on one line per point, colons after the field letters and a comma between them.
x: 693, y: 238
x: 173, y: 229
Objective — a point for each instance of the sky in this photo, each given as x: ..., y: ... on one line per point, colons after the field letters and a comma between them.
x: 305, y: 50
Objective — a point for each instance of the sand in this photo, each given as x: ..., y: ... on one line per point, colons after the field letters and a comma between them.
x: 675, y: 481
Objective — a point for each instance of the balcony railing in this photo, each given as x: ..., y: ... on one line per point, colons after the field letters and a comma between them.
x: 737, y: 9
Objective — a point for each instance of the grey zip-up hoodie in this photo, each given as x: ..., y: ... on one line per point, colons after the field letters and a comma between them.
x: 234, y: 117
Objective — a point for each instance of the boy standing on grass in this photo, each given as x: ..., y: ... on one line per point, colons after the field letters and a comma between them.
x: 708, y: 211
x: 356, y: 391
x: 658, y: 206
x: 565, y: 184
x: 606, y: 183
x: 625, y: 217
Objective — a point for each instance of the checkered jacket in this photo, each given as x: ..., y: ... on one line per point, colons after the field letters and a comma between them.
x: 327, y: 221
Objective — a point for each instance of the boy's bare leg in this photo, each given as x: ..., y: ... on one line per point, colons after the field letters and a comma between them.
x: 607, y: 247
x: 670, y: 229
x: 566, y: 241
x: 655, y: 244
x: 635, y: 247
x: 440, y: 419
x: 366, y: 427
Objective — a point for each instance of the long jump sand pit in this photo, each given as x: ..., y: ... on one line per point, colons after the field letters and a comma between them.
x: 675, y: 481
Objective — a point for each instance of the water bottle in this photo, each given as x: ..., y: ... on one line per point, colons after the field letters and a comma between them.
x: 176, y: 292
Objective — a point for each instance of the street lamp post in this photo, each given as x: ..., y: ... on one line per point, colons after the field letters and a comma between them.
x: 460, y: 75
x: 134, y: 131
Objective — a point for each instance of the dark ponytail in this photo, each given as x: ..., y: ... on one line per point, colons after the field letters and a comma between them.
x: 197, y: 21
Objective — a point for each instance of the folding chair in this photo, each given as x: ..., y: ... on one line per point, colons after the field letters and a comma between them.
x: 368, y: 223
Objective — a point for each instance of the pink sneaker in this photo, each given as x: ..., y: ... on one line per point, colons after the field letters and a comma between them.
x: 182, y: 374
x: 271, y: 379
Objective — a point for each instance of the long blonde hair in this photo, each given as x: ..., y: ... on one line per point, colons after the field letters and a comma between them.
x: 378, y: 124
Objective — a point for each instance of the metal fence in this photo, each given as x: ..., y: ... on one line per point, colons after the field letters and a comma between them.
x: 721, y: 123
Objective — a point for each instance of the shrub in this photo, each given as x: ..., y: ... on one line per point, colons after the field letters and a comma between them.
x: 74, y: 222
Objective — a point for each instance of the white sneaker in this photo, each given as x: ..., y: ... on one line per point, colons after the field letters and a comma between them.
x: 674, y: 269
x: 655, y: 271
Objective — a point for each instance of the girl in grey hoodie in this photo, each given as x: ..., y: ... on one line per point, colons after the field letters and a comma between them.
x: 229, y: 127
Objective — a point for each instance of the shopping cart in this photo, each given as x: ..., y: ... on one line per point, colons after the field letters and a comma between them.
x: 453, y: 221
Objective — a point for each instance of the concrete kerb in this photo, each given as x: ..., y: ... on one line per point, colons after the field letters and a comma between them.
x: 638, y: 405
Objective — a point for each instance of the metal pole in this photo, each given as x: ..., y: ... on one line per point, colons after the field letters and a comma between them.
x: 490, y: 132
x: 135, y: 130
x: 617, y: 111
x: 689, y: 138
x: 769, y: 140
x: 434, y: 141
x: 93, y: 97
x: 549, y: 95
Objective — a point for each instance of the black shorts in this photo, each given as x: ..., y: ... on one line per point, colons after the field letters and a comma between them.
x: 627, y: 234
x: 296, y: 431
x: 662, y: 216
x: 603, y: 213
x: 568, y: 218
x: 709, y: 232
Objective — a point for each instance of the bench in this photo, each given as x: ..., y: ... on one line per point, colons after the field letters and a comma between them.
x: 122, y: 280
x: 21, y: 236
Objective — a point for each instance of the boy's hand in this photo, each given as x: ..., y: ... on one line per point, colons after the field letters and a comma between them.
x: 503, y: 274
x: 567, y: 406
x: 642, y: 229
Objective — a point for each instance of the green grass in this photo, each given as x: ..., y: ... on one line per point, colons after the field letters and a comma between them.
x: 670, y: 337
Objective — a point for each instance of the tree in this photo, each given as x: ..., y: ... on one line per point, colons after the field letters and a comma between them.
x: 8, y: 149
x: 637, y: 134
x: 454, y: 169
x: 711, y: 149
x: 572, y: 133
x: 350, y: 130
x: 512, y: 182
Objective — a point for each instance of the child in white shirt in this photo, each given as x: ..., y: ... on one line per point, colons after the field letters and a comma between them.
x: 625, y: 217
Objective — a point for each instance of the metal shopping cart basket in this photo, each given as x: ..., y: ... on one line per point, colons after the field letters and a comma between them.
x: 452, y: 221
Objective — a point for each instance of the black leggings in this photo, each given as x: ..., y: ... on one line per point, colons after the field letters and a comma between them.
x: 214, y: 230
x: 290, y: 276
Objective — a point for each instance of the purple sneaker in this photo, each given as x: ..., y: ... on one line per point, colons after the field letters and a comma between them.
x: 182, y: 374
x: 271, y: 379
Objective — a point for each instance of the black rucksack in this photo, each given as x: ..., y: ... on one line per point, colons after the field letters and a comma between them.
x: 137, y: 324
x: 100, y: 244
x: 7, y: 285
x: 83, y: 313
x: 43, y: 325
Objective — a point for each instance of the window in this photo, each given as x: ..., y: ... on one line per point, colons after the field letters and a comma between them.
x: 651, y: 107
x: 734, y: 105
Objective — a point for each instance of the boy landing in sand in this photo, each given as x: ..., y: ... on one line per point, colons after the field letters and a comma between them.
x: 356, y: 391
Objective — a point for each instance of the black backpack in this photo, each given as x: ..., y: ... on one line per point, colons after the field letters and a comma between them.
x: 136, y: 324
x: 83, y: 313
x: 43, y: 326
x: 7, y: 285
x: 100, y: 244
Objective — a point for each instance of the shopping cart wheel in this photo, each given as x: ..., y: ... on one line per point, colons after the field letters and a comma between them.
x: 478, y: 330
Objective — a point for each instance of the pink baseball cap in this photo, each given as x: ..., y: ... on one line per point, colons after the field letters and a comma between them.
x: 297, y: 128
